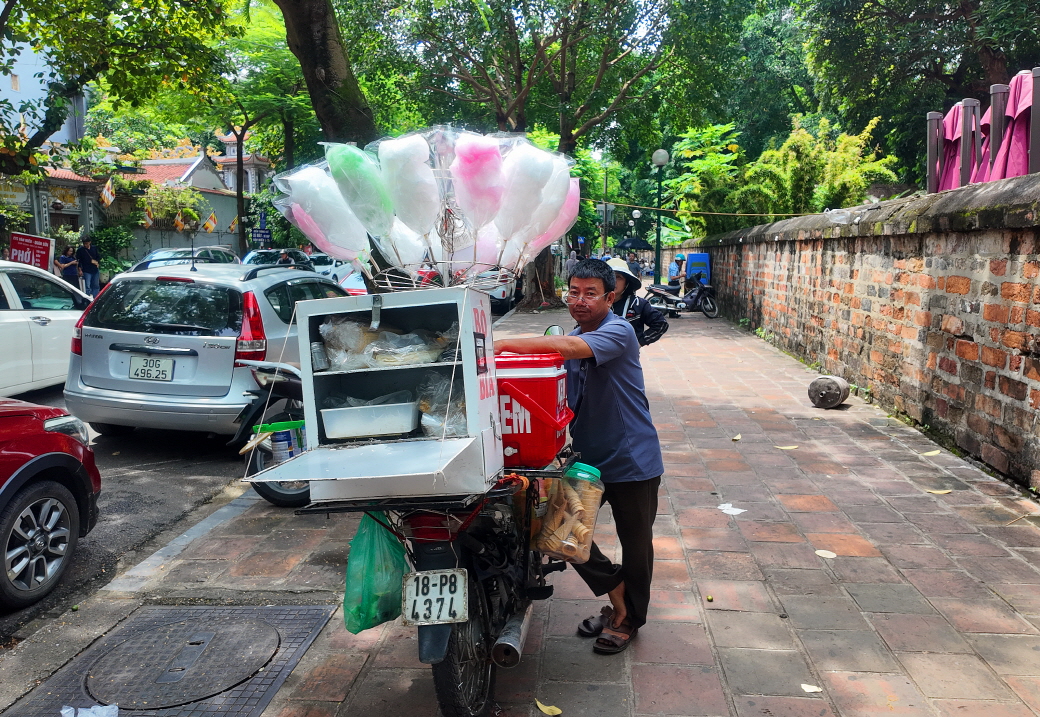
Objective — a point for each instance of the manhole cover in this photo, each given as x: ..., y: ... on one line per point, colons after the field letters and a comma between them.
x: 180, y: 663
x: 184, y: 662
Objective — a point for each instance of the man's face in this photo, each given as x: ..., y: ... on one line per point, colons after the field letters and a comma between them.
x: 589, y: 309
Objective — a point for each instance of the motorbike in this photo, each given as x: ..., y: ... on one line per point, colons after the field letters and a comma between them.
x: 278, y: 398
x: 480, y: 544
x: 698, y: 296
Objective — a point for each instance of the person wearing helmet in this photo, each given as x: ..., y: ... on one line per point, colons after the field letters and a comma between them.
x: 648, y: 323
x: 675, y: 269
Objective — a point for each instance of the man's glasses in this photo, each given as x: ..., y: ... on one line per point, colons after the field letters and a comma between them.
x: 571, y: 299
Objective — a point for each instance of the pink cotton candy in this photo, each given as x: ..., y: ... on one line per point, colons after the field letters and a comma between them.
x: 477, y: 174
x: 305, y: 224
x: 563, y: 222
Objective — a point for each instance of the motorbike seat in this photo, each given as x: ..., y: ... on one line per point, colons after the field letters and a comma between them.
x: 670, y: 288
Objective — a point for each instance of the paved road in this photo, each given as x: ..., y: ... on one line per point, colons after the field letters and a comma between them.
x: 150, y: 480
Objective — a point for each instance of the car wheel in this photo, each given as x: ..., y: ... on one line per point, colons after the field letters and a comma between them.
x: 111, y: 429
x: 39, y: 529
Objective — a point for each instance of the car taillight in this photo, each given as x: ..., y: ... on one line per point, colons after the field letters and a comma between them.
x: 356, y: 292
x: 252, y: 341
x: 77, y: 330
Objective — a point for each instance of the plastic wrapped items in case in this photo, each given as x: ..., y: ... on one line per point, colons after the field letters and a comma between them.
x: 570, y: 518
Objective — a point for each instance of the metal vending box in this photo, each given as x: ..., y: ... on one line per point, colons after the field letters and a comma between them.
x: 410, y: 464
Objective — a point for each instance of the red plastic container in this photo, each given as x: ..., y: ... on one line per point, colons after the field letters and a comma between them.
x: 532, y: 393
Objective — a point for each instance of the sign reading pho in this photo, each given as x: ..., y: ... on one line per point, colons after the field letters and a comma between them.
x: 34, y: 250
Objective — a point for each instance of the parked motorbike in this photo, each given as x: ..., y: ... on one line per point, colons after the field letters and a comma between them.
x: 278, y: 398
x: 698, y: 296
x: 474, y: 551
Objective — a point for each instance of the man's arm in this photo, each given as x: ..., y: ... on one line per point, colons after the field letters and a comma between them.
x: 570, y: 347
x: 654, y: 321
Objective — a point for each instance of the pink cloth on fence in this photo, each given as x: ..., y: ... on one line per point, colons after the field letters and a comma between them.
x: 951, y: 149
x: 1013, y: 156
x: 980, y: 170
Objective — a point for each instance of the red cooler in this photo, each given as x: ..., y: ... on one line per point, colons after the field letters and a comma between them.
x: 532, y: 393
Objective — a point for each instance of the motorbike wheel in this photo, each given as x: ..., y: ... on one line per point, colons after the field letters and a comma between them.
x: 465, y: 679
x: 708, y: 307
x: 285, y: 494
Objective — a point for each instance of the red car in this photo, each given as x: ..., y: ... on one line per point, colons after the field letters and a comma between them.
x: 49, y: 488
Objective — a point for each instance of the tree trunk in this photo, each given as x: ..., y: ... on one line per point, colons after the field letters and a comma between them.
x: 313, y: 36
x: 240, y: 196
x: 994, y: 64
x: 539, y: 287
x: 289, y: 150
x: 568, y: 142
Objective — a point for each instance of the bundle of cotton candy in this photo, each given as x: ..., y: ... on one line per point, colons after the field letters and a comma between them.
x: 315, y: 205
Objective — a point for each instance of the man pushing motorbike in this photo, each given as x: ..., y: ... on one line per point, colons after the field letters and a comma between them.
x: 613, y: 431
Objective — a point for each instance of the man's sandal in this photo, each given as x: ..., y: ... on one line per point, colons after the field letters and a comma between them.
x: 593, y: 626
x: 614, y: 639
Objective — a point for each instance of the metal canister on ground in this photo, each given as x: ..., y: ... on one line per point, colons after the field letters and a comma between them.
x: 319, y: 359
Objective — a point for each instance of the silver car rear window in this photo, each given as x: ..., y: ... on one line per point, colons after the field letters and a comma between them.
x: 168, y: 307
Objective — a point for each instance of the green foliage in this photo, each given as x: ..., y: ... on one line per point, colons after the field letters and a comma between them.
x: 64, y: 236
x: 283, y: 234
x: 112, y: 242
x: 165, y: 202
x: 12, y: 218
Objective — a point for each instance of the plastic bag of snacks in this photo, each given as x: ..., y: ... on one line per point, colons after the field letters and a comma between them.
x: 570, y: 517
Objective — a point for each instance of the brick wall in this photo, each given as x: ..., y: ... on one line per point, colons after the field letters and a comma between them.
x: 931, y: 302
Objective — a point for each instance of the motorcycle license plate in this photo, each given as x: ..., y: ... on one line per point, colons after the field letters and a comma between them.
x: 151, y: 369
x: 435, y: 597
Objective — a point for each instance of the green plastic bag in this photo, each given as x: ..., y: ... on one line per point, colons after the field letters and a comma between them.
x: 375, y: 570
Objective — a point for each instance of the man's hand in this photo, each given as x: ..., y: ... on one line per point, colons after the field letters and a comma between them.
x: 570, y: 347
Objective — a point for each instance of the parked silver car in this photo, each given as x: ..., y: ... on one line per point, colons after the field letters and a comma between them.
x: 183, y: 255
x: 159, y: 348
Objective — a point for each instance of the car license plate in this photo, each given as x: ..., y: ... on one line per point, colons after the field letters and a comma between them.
x: 435, y: 597
x: 147, y: 368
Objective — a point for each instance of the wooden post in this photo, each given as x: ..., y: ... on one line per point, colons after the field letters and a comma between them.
x: 969, y: 108
x: 1034, y: 125
x: 935, y: 154
x: 998, y: 97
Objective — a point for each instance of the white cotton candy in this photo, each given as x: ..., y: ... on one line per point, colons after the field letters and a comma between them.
x: 316, y: 195
x: 409, y: 179
x: 526, y: 169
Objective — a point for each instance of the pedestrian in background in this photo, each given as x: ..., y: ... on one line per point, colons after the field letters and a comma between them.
x: 89, y: 265
x: 66, y: 266
x: 648, y: 323
x: 568, y: 265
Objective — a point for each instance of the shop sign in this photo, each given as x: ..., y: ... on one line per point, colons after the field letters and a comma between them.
x: 33, y: 250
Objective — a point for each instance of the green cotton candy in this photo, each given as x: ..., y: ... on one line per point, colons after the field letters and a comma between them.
x: 361, y: 183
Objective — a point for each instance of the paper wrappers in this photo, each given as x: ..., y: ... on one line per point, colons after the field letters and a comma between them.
x: 570, y: 520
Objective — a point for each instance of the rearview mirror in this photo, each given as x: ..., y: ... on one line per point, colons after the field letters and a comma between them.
x: 554, y: 330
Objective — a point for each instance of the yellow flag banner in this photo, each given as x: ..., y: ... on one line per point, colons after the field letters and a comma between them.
x: 149, y: 218
x: 234, y: 225
x: 210, y: 223
x: 108, y: 193
x: 178, y: 222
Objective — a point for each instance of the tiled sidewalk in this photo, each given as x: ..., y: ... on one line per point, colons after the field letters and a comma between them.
x: 930, y: 607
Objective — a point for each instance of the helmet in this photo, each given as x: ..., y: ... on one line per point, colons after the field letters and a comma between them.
x: 621, y: 267
x: 680, y: 257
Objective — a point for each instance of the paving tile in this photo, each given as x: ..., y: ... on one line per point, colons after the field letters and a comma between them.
x: 330, y: 679
x: 1009, y: 654
x: 672, y: 643
x: 947, y: 584
x: 395, y: 692
x: 865, y: 570
x: 917, y: 504
x: 953, y: 676
x: 702, y: 518
x: 771, y: 706
x: 873, y: 514
x: 745, y: 596
x: 992, y: 514
x: 992, y: 616
x: 693, y: 499
x: 266, y: 564
x: 970, y: 545
x: 577, y: 700
x: 726, y: 539
x: 520, y: 683
x: 758, y: 630
x: 859, y: 694
x: 918, y: 633
x: 674, y: 606
x: 1024, y: 598
x: 722, y: 566
x: 1015, y: 536
x: 785, y: 555
x: 668, y: 689
x: 824, y: 523
x: 940, y: 523
x: 571, y: 659
x: 764, y: 672
x: 917, y: 556
x: 687, y: 482
x: 568, y: 585
x: 1027, y: 688
x: 761, y: 512
x: 671, y: 575
x: 853, y: 546
x: 786, y: 581
x: 810, y: 612
x: 980, y: 708
x: 849, y: 650
x: 313, y: 709
x: 807, y: 503
x: 847, y: 498
x: 770, y: 532
x: 895, y: 533
x: 566, y: 615
x: 889, y: 597
x: 1001, y: 570
x: 400, y: 648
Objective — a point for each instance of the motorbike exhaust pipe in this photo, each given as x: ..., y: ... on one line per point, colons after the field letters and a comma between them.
x: 510, y: 645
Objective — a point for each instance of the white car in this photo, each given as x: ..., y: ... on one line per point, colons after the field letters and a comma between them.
x: 38, y: 313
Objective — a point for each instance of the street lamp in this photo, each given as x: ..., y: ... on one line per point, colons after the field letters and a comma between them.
x: 659, y: 158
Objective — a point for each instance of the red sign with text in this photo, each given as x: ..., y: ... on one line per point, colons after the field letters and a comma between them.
x: 34, y: 250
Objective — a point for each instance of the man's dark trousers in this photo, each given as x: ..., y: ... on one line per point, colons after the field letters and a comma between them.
x: 634, y: 506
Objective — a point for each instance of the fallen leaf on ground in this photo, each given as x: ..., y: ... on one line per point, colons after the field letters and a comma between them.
x: 931, y: 453
x: 736, y: 437
x: 548, y: 709
x: 728, y: 509
x: 826, y: 554
x: 786, y: 448
x: 811, y: 688
x: 115, y: 453
x: 939, y: 492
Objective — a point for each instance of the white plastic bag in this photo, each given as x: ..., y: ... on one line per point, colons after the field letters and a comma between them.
x: 97, y: 711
